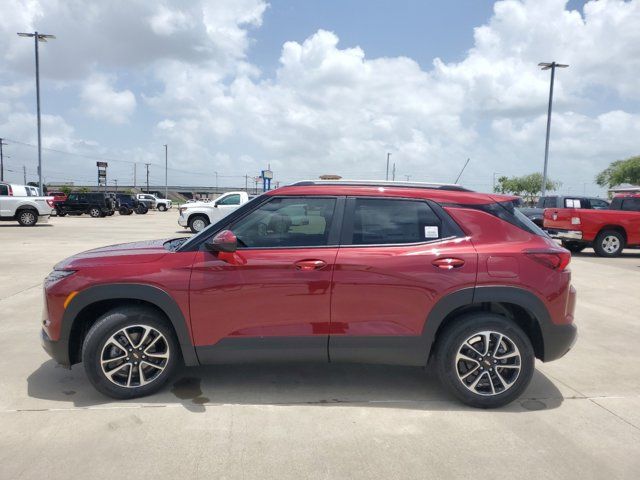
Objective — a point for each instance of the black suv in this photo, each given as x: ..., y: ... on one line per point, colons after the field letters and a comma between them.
x: 127, y: 204
x: 94, y: 204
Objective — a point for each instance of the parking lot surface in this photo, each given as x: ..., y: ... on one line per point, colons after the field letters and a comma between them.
x: 580, y: 418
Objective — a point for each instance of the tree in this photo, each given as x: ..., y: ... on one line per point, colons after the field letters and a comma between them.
x: 66, y: 189
x: 527, y: 186
x: 620, y: 171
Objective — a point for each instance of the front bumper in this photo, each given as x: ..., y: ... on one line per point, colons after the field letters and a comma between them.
x: 566, y: 234
x: 56, y: 350
x: 182, y: 221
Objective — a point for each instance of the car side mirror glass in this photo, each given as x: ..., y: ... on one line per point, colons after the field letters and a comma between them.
x: 224, y: 241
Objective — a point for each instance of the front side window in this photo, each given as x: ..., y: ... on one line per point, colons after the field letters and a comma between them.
x: 385, y: 221
x: 73, y: 197
x: 230, y: 200
x: 286, y: 222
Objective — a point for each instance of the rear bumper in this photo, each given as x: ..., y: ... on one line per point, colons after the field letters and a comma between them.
x: 559, y: 339
x: 44, y: 218
x: 566, y: 234
x: 56, y: 350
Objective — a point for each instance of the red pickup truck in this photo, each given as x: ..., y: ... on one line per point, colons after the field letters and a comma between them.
x: 607, y: 231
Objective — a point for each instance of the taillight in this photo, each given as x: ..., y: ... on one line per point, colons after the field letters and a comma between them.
x: 554, y: 259
x: 10, y: 191
x: 50, y: 203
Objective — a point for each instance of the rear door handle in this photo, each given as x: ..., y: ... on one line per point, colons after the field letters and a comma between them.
x: 448, y: 263
x: 308, y: 265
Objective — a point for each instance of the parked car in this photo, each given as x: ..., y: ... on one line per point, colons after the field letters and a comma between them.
x: 16, y: 205
x: 197, y: 215
x: 607, y: 231
x: 127, y: 204
x: 536, y: 214
x: 93, y: 203
x: 151, y: 201
x: 386, y: 272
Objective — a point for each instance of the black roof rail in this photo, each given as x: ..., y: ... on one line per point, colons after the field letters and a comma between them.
x: 382, y: 183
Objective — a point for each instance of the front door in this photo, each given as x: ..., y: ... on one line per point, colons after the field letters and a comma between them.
x: 270, y: 300
x: 397, y: 259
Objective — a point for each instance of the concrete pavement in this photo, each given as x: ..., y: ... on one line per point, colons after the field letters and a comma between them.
x: 579, y: 419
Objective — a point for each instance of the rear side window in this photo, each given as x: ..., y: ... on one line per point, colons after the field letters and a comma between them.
x: 550, y: 202
x: 4, y: 190
x: 507, y: 212
x: 573, y: 203
x: 388, y: 221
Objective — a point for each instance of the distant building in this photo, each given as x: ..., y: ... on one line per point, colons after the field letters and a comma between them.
x: 330, y: 177
x: 624, y: 188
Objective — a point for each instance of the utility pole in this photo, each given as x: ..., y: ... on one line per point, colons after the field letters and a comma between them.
x: 147, y: 165
x: 1, y: 160
x: 547, y: 66
x: 166, y: 156
x: 216, y: 182
x: 24, y: 174
x: 135, y: 164
x: 38, y: 37
x: 387, y: 176
x: 115, y: 180
x: 246, y: 183
x: 393, y: 177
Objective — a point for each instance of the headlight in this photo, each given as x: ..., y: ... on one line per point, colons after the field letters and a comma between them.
x: 56, y: 276
x: 182, y: 209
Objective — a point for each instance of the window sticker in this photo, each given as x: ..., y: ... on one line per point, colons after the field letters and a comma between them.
x: 431, y: 232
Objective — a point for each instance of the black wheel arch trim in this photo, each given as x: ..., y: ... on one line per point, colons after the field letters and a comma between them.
x: 556, y: 339
x: 129, y: 291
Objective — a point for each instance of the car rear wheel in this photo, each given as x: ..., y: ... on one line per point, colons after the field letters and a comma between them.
x: 574, y: 247
x: 27, y: 218
x: 609, y: 243
x: 130, y: 352
x: 95, y: 212
x: 197, y: 223
x: 484, y: 360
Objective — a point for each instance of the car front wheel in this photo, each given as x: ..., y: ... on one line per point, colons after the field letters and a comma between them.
x: 130, y: 352
x: 484, y: 360
x: 162, y: 207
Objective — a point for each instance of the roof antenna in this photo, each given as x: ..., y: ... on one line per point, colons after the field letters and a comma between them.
x: 460, y: 174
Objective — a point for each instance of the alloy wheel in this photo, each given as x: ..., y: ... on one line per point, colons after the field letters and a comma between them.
x: 488, y: 363
x: 198, y: 224
x: 27, y: 218
x: 134, y: 356
x: 611, y: 244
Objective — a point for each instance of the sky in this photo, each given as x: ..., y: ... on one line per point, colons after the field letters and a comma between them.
x: 320, y: 86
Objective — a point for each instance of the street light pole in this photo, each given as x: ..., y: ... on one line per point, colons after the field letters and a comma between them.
x: 387, y: 177
x: 166, y: 156
x: 547, y: 66
x: 38, y: 37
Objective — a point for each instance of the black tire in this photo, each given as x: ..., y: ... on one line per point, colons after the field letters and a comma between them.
x: 162, y: 207
x: 124, y: 210
x: 574, y: 247
x: 94, y: 212
x: 60, y: 213
x: 110, y: 213
x: 450, y: 372
x: 142, y: 209
x: 95, y: 349
x: 198, y: 222
x: 27, y: 217
x: 609, y: 243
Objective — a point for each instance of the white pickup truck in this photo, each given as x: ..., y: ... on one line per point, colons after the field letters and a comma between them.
x: 15, y: 205
x: 151, y: 201
x: 197, y: 215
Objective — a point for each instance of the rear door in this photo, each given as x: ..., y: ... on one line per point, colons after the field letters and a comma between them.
x: 397, y: 258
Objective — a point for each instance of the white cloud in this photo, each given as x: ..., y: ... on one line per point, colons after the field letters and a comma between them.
x: 102, y: 101
x: 332, y: 109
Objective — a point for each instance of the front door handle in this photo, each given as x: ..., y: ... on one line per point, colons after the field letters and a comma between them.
x: 308, y: 265
x: 448, y: 263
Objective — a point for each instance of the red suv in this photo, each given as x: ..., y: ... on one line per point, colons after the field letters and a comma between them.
x: 392, y: 273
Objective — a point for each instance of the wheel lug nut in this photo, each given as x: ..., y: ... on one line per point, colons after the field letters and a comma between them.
x: 130, y: 350
x: 495, y: 361
x: 135, y: 363
x: 127, y: 359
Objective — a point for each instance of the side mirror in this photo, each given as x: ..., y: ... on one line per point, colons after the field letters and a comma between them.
x: 225, y: 241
